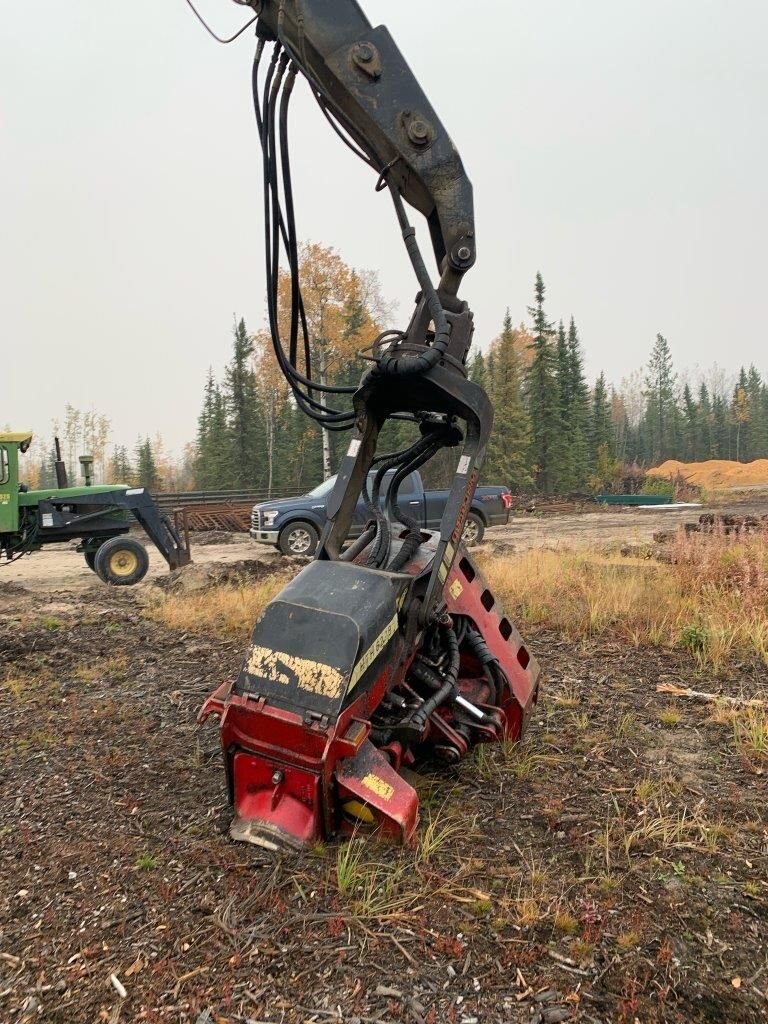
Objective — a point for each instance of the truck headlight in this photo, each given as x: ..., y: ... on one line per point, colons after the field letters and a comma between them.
x: 268, y: 518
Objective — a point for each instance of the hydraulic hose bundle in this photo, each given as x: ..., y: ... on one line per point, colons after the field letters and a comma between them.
x: 271, y: 105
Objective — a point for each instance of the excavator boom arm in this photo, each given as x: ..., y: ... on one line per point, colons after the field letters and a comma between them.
x: 363, y: 80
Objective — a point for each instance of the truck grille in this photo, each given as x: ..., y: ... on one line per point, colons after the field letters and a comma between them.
x: 255, y: 519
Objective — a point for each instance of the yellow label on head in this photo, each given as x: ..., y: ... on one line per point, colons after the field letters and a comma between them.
x: 374, y: 650
x: 5, y: 498
x: 277, y: 667
x: 442, y: 572
x: 456, y: 590
x: 379, y: 786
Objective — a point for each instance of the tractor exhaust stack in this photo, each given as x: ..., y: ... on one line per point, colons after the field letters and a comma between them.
x: 60, y: 466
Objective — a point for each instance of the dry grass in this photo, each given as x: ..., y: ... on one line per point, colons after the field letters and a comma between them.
x: 104, y: 668
x: 712, y: 600
x: 437, y: 832
x: 16, y: 684
x: 670, y: 717
x: 750, y: 733
x: 225, y: 609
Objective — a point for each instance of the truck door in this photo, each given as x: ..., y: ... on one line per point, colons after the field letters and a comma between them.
x: 411, y: 498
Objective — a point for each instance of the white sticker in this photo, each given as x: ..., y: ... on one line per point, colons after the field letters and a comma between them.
x: 463, y: 465
x: 47, y: 518
x: 135, y: 490
x: 354, y: 447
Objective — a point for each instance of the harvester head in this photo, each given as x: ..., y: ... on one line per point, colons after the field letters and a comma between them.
x: 341, y: 689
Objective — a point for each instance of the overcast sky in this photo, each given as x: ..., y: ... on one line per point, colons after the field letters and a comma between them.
x: 619, y: 148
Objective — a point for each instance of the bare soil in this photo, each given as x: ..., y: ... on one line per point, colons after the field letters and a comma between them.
x: 60, y: 565
x: 612, y: 869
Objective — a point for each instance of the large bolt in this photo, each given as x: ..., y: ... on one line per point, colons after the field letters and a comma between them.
x: 418, y: 132
x: 464, y: 252
x: 364, y: 53
x: 277, y: 778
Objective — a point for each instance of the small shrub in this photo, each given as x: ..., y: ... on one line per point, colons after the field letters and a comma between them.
x: 644, y: 790
x: 694, y: 637
x: 146, y: 862
x: 654, y: 485
x: 566, y: 923
x: 481, y: 908
x: 670, y: 717
x: 51, y: 623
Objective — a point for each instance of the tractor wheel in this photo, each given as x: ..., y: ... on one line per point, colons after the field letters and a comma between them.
x: 90, y: 559
x: 474, y: 530
x: 121, y: 561
x: 299, y: 538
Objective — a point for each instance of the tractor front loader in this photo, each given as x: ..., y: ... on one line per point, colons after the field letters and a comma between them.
x: 99, y: 516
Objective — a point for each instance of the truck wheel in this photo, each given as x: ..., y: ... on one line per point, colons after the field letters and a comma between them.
x: 474, y: 530
x: 299, y: 538
x: 121, y: 561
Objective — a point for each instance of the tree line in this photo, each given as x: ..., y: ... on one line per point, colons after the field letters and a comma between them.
x: 80, y: 432
x: 554, y: 432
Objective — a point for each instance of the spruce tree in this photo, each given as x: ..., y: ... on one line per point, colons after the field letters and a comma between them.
x: 601, y: 435
x: 507, y: 459
x: 213, y: 465
x: 660, y: 402
x: 601, y: 428
x: 741, y: 417
x: 578, y: 421
x: 146, y: 467
x: 690, y: 439
x: 542, y: 397
x: 478, y: 370
x: 564, y: 478
x: 120, y: 468
x: 721, y: 434
x: 758, y: 423
x: 246, y: 437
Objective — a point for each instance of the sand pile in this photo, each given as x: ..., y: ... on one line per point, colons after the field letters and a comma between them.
x: 715, y: 472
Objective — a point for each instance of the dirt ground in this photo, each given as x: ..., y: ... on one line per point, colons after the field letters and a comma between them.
x: 610, y: 869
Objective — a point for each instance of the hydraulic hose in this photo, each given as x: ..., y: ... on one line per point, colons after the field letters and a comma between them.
x: 405, y: 365
x: 482, y: 652
x: 418, y: 719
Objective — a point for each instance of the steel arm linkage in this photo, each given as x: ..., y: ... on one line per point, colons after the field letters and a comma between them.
x: 366, y: 81
x: 362, y: 79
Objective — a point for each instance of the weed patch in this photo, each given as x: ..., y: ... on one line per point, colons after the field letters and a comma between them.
x: 710, y: 600
x: 224, y: 610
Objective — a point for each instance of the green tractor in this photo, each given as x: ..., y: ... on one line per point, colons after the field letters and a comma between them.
x: 99, y: 516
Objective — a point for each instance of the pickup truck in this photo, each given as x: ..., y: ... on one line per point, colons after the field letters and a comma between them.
x: 294, y: 525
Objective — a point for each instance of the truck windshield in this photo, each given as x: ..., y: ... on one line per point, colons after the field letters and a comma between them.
x: 408, y: 486
x: 322, y: 489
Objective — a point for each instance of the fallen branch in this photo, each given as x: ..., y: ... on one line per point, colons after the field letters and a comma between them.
x: 716, y: 698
